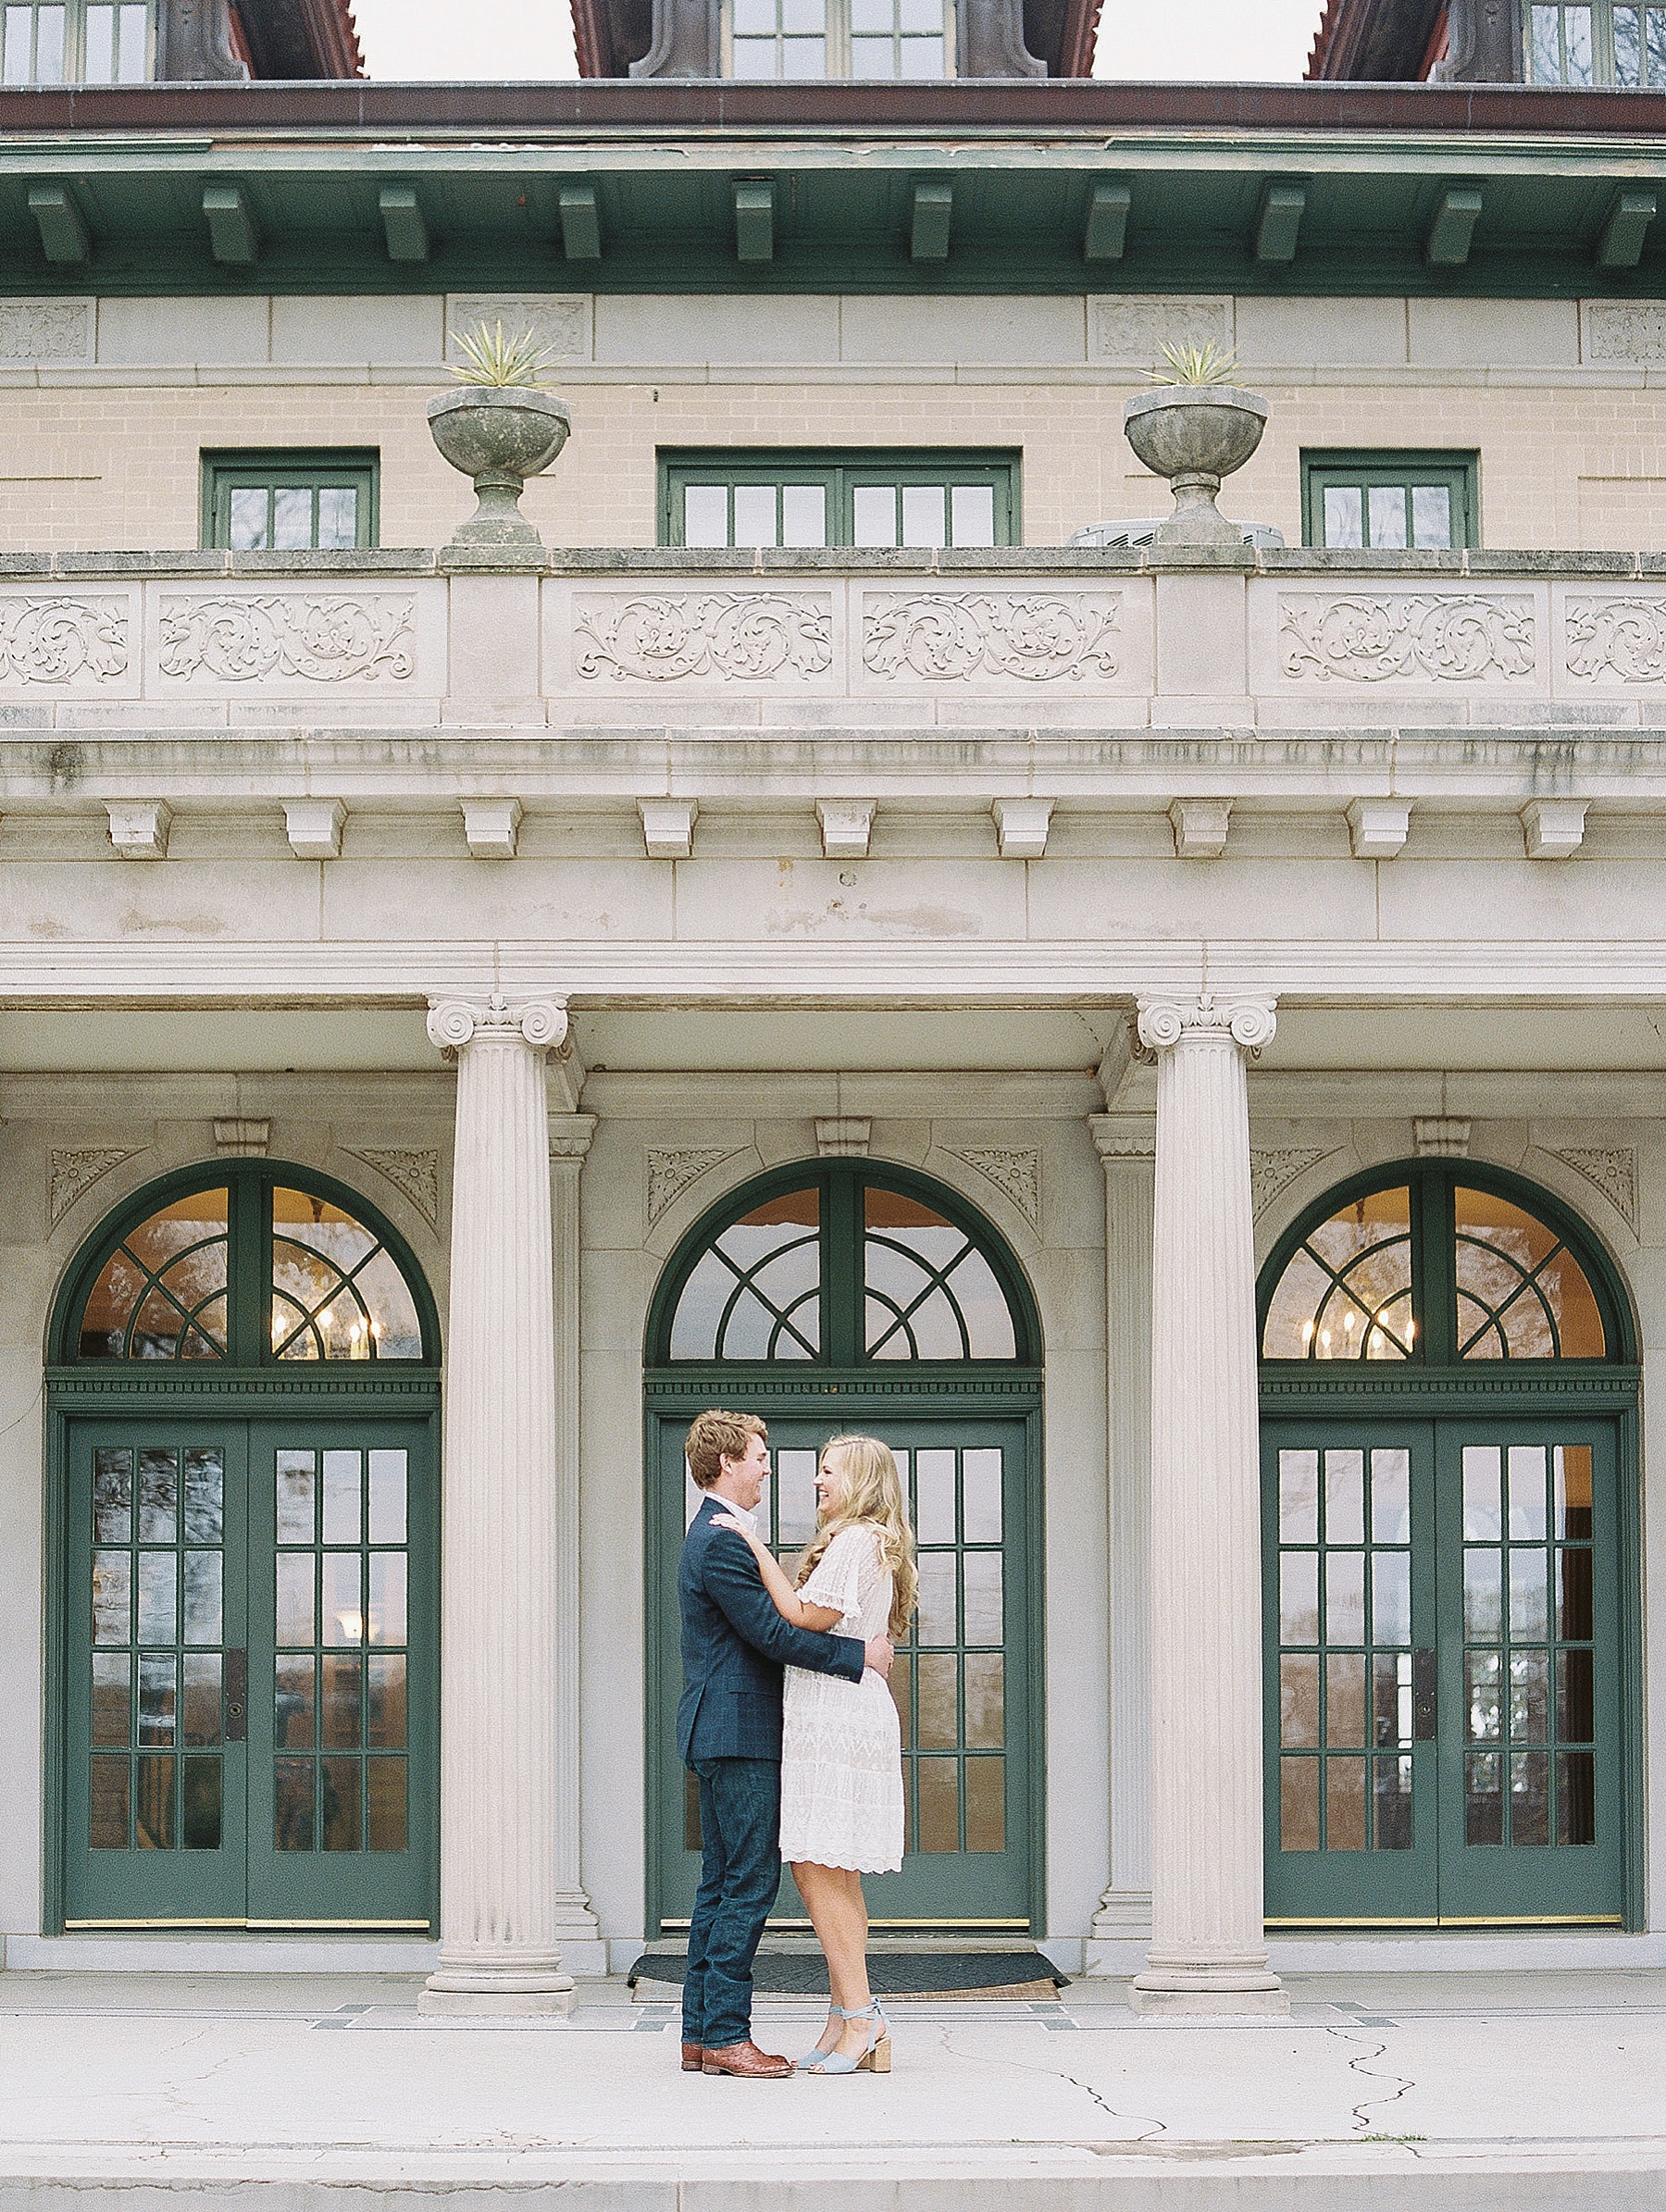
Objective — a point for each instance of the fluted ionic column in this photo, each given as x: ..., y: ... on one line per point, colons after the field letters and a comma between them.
x: 1208, y: 1952
x: 500, y: 1859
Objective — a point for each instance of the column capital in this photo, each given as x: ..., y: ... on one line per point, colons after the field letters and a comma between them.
x: 1250, y: 1021
x: 570, y: 1135
x: 454, y: 1024
x: 1121, y: 1137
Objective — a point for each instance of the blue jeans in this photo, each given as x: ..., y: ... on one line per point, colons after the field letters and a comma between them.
x: 739, y: 1829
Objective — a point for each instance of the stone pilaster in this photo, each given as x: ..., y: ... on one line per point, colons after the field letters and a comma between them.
x: 501, y: 1716
x: 1127, y: 1145
x: 1207, y: 1950
x: 577, y: 1929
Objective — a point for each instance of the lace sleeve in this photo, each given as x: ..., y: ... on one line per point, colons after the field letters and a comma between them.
x: 836, y: 1580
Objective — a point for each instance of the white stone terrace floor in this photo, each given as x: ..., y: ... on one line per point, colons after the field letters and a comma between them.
x: 137, y: 2092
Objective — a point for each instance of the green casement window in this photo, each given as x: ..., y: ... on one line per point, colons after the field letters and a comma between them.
x: 1595, y: 41
x: 291, y: 502
x: 1389, y: 501
x: 914, y: 497
x: 838, y: 38
x: 78, y: 42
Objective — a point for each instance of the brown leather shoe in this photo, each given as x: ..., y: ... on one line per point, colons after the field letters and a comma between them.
x: 694, y: 2057
x: 748, y: 2062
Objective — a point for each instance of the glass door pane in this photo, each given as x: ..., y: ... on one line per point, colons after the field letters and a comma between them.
x: 154, y: 1709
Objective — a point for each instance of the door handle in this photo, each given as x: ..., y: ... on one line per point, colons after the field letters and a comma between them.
x: 1424, y: 1705
x: 237, y: 1697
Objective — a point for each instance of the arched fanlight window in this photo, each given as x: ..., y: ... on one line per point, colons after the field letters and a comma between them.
x: 1441, y: 1264
x: 250, y: 1265
x: 841, y: 1265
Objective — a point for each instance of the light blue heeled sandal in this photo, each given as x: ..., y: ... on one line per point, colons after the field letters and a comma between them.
x: 876, y: 2059
x: 815, y: 2056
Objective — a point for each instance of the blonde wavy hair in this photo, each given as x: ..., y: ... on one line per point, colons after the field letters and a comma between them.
x: 872, y: 1494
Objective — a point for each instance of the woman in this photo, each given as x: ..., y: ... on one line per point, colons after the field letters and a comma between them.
x: 842, y: 1756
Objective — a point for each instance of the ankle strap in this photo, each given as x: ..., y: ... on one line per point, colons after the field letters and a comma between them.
x: 872, y: 2011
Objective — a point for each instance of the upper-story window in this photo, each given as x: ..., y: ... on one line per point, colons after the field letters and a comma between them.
x: 750, y: 498
x: 1595, y: 41
x: 1390, y: 501
x: 290, y: 502
x: 78, y: 42
x: 838, y: 38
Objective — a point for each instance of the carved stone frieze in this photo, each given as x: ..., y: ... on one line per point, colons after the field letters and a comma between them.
x: 1015, y: 1172
x: 1136, y: 330
x: 62, y: 641
x: 56, y: 331
x: 1630, y: 330
x: 412, y: 1170
x: 671, y: 1171
x: 1621, y: 641
x: 946, y: 637
x: 743, y: 637
x: 323, y: 641
x: 557, y: 323
x: 1611, y: 1169
x: 1274, y: 1167
x: 72, y: 1173
x: 1407, y: 637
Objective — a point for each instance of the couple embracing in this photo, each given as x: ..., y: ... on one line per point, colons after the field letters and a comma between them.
x: 811, y: 1771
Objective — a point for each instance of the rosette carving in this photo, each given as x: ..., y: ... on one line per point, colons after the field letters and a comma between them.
x: 1251, y: 1023
x: 454, y: 1024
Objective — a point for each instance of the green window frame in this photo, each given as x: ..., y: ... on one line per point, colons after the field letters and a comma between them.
x: 869, y: 40
x: 1391, y: 500
x: 816, y: 499
x: 1581, y: 43
x: 304, y: 499
x: 78, y: 42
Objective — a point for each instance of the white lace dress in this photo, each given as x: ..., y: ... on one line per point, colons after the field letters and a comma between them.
x: 842, y: 1750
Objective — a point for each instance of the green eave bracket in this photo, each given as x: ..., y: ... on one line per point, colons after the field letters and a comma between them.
x: 933, y: 219
x: 232, y: 233
x: 63, y: 234
x: 1621, y: 245
x: 1456, y: 215
x: 754, y: 221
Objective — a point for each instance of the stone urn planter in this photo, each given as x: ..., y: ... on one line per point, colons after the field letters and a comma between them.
x: 500, y: 436
x: 1195, y: 434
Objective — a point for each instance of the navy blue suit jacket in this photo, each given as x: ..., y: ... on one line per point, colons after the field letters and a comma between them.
x: 734, y: 1645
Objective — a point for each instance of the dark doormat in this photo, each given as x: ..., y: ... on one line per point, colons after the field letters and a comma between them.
x: 891, y: 1974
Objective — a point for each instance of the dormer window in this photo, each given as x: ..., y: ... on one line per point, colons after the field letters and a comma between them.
x: 1581, y: 43
x: 77, y: 41
x: 838, y: 39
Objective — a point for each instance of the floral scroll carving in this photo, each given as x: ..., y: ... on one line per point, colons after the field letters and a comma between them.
x: 62, y: 641
x: 946, y: 637
x: 1407, y: 637
x: 1623, y: 640
x: 671, y: 1172
x: 72, y: 1175
x: 413, y: 1171
x: 1276, y: 1168
x: 1611, y: 1169
x: 322, y: 641
x: 1016, y: 1174
x: 741, y: 636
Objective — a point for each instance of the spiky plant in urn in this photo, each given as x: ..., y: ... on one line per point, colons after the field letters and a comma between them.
x: 501, y: 426
x: 1195, y: 426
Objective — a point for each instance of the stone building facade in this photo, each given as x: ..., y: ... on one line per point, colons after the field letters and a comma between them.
x: 1168, y: 1038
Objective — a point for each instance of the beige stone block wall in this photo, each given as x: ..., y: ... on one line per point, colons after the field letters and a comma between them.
x: 94, y: 465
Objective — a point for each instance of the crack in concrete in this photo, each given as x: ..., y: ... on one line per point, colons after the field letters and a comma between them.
x: 1360, y: 2066
x: 1153, y: 2125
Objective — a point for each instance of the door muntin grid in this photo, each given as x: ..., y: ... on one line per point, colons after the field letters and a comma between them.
x: 1529, y: 1650
x: 156, y: 1683
x: 1345, y: 1608
x: 340, y: 1675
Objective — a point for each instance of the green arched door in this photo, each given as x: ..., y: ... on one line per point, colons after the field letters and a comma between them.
x: 1450, y: 1543
x: 839, y: 1296
x: 243, y: 1397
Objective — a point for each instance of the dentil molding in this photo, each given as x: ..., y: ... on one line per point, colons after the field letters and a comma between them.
x: 454, y: 1024
x: 1250, y: 1022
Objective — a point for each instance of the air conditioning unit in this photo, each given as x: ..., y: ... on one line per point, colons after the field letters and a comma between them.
x: 1107, y: 534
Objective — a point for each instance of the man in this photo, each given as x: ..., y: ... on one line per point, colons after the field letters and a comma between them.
x: 729, y: 1731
